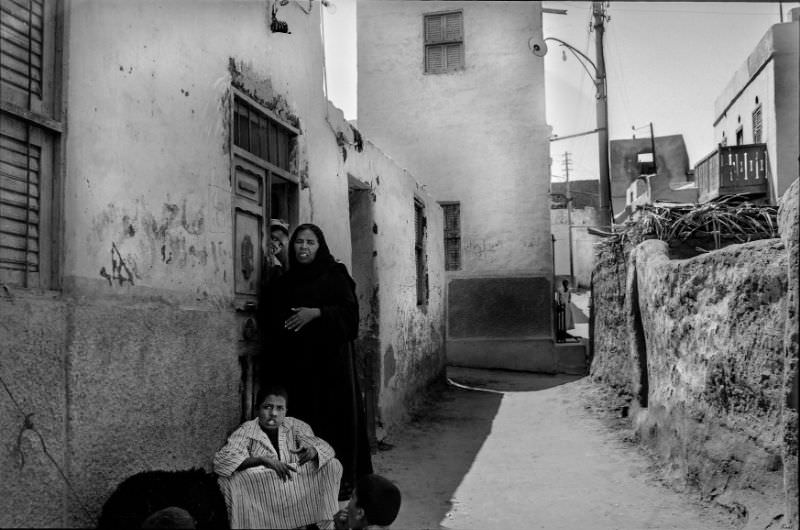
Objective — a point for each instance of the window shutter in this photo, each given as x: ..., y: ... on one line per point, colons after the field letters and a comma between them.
x: 452, y: 25
x: 433, y: 29
x: 757, y: 126
x: 20, y: 170
x: 454, y: 56
x: 452, y: 236
x: 434, y: 58
x: 21, y: 42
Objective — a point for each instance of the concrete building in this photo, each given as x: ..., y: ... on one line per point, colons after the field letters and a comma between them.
x: 452, y: 92
x: 760, y: 104
x: 143, y: 148
x: 636, y: 180
x: 573, y: 253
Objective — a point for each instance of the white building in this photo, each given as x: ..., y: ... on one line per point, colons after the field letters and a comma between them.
x: 451, y: 91
x: 760, y: 104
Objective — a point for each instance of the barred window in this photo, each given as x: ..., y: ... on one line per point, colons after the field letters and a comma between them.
x: 419, y: 252
x: 265, y: 187
x: 30, y: 130
x: 452, y: 235
x: 757, y: 125
x: 444, y: 42
x: 261, y: 135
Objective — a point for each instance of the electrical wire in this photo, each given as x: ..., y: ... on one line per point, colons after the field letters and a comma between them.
x: 27, y: 425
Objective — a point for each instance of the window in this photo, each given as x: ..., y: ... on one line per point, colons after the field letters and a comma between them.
x: 444, y: 42
x: 264, y: 186
x: 739, y: 136
x: 419, y: 252
x: 30, y: 134
x: 452, y: 235
x: 757, y: 125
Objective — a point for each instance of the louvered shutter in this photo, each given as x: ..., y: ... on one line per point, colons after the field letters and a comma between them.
x: 452, y: 25
x: 452, y: 236
x: 434, y: 58
x: 29, y: 129
x: 757, y: 126
x: 433, y: 29
x: 21, y: 38
x: 454, y: 56
x: 21, y: 164
x: 444, y: 42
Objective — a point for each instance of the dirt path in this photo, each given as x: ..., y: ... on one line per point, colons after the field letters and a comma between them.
x: 527, y: 454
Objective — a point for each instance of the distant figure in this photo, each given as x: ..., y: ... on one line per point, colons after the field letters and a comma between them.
x: 274, y: 473
x: 563, y: 305
x: 564, y: 298
x: 374, y: 503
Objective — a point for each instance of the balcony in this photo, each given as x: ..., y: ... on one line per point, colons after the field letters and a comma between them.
x: 733, y: 170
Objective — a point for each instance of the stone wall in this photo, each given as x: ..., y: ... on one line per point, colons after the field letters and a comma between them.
x: 704, y: 350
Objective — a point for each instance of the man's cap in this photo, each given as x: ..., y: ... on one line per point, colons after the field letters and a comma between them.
x: 280, y: 224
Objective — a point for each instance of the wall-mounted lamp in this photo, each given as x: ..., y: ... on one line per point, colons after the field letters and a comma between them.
x: 278, y: 26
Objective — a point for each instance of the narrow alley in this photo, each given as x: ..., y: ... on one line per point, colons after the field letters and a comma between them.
x: 498, y: 449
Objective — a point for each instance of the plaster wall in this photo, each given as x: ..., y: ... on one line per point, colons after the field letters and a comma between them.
x: 410, y: 337
x: 135, y: 363
x: 155, y: 78
x: 477, y: 135
x: 770, y: 74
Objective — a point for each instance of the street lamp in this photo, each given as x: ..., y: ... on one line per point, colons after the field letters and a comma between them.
x: 599, y: 79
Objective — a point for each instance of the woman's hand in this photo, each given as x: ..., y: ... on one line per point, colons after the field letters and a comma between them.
x: 301, y: 317
x: 306, y: 454
x: 283, y: 469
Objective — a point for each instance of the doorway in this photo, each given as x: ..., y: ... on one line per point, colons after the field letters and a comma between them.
x: 367, y: 345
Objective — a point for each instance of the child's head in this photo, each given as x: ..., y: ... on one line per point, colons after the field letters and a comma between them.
x: 375, y: 501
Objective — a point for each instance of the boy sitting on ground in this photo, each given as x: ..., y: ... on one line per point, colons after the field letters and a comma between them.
x: 274, y: 473
x: 374, y: 503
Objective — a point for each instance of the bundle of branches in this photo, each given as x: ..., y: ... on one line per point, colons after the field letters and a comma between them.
x: 727, y: 218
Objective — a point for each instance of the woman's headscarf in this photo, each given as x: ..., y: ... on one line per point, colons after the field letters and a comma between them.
x: 322, y: 261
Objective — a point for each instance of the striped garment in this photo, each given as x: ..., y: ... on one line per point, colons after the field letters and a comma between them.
x: 257, y: 498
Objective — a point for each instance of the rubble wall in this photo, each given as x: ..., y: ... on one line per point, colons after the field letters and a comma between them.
x: 704, y: 350
x: 710, y: 402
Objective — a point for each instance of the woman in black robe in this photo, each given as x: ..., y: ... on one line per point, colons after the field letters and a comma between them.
x: 313, y: 320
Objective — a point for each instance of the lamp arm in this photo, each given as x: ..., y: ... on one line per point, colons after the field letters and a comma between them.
x: 576, y: 52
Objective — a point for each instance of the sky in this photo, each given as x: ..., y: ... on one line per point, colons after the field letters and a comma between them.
x: 666, y: 63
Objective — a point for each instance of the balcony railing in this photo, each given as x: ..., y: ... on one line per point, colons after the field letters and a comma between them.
x: 732, y: 170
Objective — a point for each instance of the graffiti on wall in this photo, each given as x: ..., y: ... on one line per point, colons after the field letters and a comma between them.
x: 119, y: 269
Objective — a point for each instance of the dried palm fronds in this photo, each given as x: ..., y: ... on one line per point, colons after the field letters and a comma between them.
x: 730, y: 217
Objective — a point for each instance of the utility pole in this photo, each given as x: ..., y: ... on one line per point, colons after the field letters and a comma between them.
x: 566, y: 163
x: 606, y: 218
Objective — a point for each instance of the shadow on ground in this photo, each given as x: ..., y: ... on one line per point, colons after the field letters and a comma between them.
x: 431, y: 454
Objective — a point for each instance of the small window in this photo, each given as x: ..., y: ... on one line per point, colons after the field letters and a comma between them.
x: 452, y: 235
x: 419, y: 252
x: 757, y: 125
x: 739, y: 136
x: 444, y: 42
